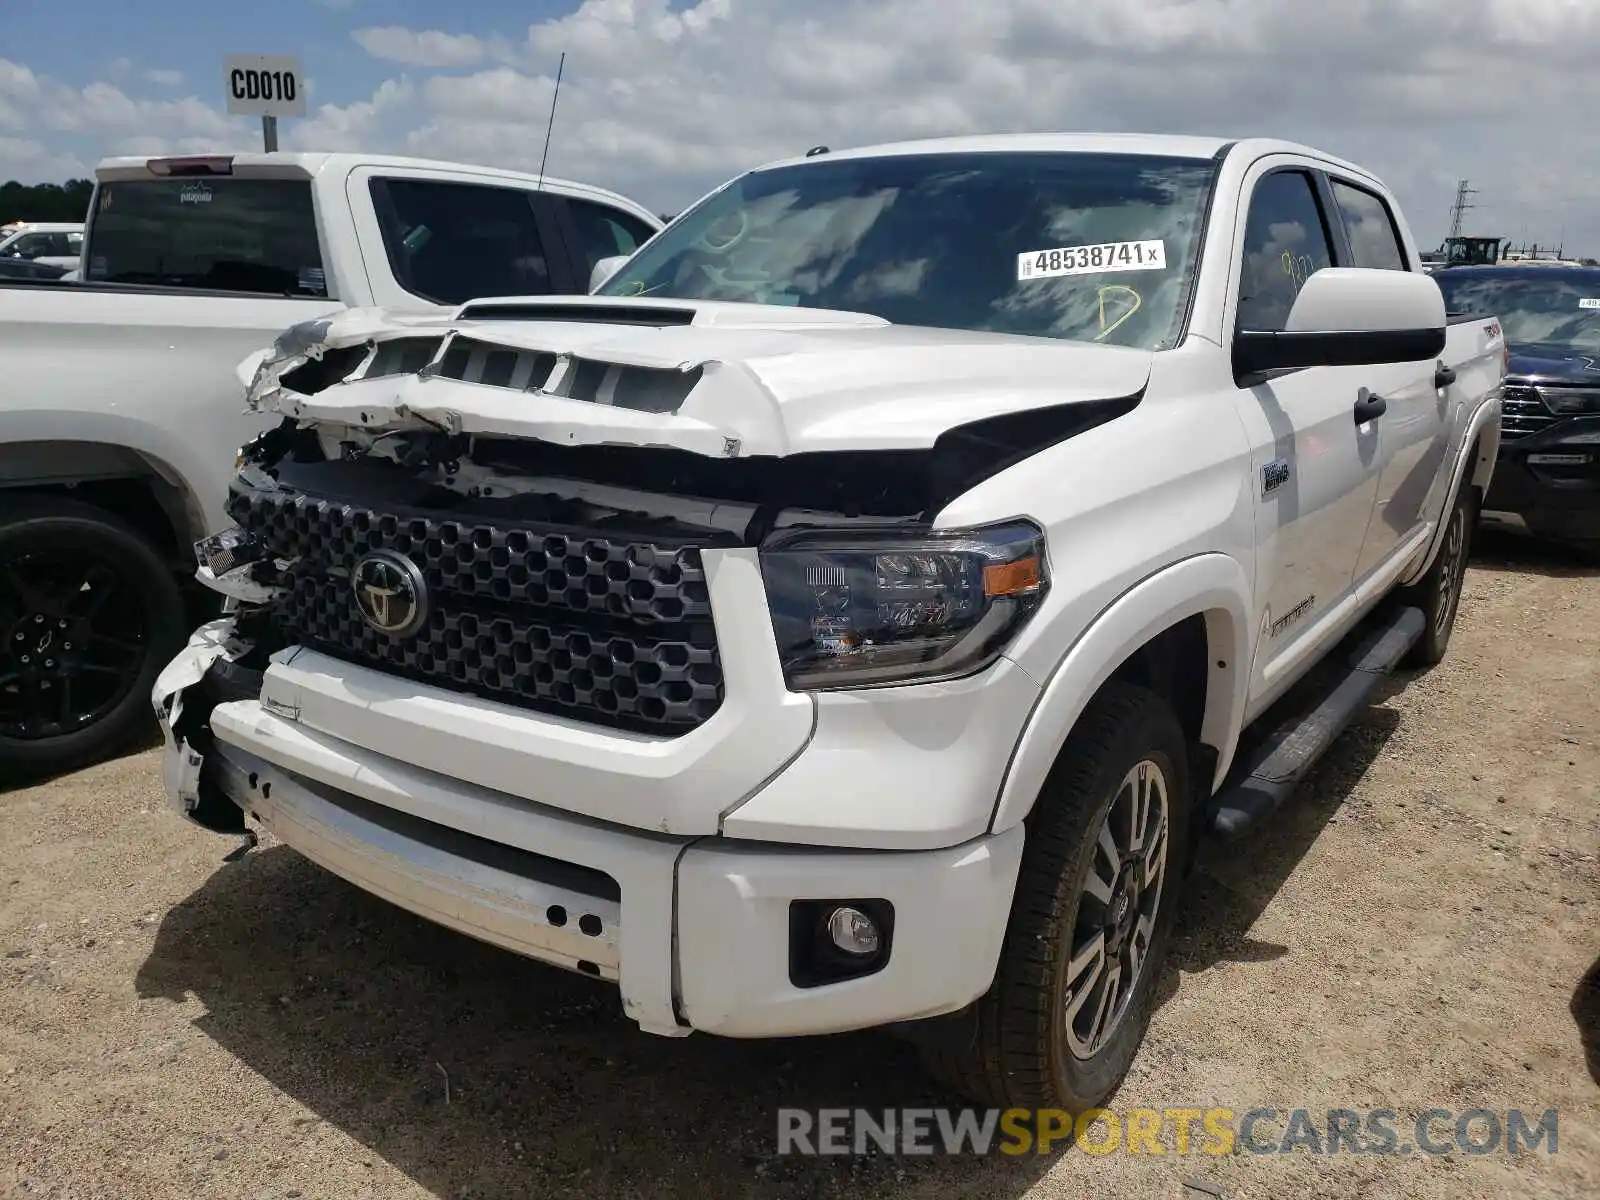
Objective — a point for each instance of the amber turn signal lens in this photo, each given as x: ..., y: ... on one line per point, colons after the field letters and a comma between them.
x: 1013, y: 578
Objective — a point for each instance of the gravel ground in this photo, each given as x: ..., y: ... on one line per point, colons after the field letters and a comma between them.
x: 1418, y: 929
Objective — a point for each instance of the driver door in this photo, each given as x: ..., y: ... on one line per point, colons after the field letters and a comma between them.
x: 1314, y: 470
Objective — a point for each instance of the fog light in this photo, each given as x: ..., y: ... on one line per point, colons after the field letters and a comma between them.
x: 853, y: 931
x: 837, y: 938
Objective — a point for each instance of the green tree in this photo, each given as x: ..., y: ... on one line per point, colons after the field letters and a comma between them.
x: 45, y: 201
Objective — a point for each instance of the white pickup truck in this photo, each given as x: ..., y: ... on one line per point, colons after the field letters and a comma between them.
x: 853, y: 615
x: 120, y: 412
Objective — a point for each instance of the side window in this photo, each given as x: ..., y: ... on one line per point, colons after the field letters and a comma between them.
x: 604, y: 232
x: 1285, y: 241
x: 74, y: 243
x: 57, y: 246
x: 454, y: 242
x: 1374, y: 240
x: 29, y: 245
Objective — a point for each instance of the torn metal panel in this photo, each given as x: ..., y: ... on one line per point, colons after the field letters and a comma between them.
x: 734, y: 381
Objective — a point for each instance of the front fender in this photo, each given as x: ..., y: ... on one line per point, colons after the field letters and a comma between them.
x: 1212, y: 585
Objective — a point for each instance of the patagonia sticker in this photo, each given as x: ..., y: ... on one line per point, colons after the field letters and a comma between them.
x: 1092, y: 260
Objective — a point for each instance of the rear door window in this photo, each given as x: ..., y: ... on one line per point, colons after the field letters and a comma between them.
x: 230, y: 234
x: 604, y: 232
x: 1374, y: 240
x: 453, y: 242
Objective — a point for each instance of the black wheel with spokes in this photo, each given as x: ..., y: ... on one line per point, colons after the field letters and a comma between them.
x: 89, y: 614
x: 1095, y: 902
x: 1438, y: 593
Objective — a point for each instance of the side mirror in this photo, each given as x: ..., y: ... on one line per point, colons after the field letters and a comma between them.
x: 1350, y: 316
x: 604, y: 270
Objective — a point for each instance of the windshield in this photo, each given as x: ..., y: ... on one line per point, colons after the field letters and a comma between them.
x: 1087, y: 247
x: 228, y: 234
x: 1557, y: 308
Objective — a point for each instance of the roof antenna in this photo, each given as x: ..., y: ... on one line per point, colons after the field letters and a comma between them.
x: 553, y: 97
x: 816, y: 150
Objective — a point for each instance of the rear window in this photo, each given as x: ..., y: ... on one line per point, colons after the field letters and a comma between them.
x: 239, y: 235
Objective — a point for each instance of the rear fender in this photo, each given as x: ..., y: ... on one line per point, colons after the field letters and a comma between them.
x: 1212, y: 585
x: 1474, y: 463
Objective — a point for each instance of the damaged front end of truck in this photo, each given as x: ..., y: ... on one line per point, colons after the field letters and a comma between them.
x: 515, y: 501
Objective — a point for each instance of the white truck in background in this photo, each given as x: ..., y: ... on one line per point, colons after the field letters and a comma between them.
x: 120, y: 413
x: 48, y: 243
x: 856, y: 612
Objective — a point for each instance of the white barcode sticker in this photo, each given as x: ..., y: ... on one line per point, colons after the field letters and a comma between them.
x: 1092, y: 260
x: 1594, y: 303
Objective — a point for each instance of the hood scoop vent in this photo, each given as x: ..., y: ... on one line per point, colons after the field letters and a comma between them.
x: 660, y: 314
x: 594, y: 381
x: 603, y: 314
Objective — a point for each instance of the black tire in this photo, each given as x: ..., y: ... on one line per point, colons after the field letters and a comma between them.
x: 1011, y: 1048
x: 1438, y: 593
x: 103, y: 689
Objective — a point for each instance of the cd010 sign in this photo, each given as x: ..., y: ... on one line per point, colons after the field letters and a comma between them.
x: 263, y: 85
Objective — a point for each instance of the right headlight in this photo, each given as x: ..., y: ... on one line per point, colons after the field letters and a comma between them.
x: 853, y: 610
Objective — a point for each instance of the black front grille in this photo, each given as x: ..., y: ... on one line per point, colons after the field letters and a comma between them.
x: 1521, y: 412
x: 601, y: 629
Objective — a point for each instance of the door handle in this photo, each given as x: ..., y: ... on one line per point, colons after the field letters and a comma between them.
x: 1444, y: 376
x: 1369, y: 406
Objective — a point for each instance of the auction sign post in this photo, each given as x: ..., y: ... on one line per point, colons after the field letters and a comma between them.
x: 268, y: 86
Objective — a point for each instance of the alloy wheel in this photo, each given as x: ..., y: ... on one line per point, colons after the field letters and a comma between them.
x: 1452, y: 571
x: 1117, y: 907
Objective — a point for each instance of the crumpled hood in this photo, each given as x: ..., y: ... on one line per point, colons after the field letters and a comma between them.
x: 725, y: 380
x: 1553, y: 363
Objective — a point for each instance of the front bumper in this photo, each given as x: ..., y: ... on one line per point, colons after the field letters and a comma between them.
x: 1551, y: 480
x: 695, y: 931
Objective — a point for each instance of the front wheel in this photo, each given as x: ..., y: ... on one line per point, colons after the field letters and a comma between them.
x: 1090, y: 921
x: 89, y: 613
x: 1438, y: 593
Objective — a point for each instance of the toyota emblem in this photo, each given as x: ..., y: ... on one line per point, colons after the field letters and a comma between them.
x: 390, y: 593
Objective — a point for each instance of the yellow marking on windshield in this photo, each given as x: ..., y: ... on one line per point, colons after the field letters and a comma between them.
x: 1137, y: 302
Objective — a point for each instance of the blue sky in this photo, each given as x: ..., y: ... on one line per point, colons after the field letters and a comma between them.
x: 191, y: 36
x: 663, y: 99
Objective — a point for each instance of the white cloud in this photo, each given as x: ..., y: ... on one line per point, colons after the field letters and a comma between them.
x: 17, y: 81
x: 164, y: 78
x: 425, y: 48
x: 664, y: 103
x: 358, y: 126
x: 30, y: 162
x: 663, y: 99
